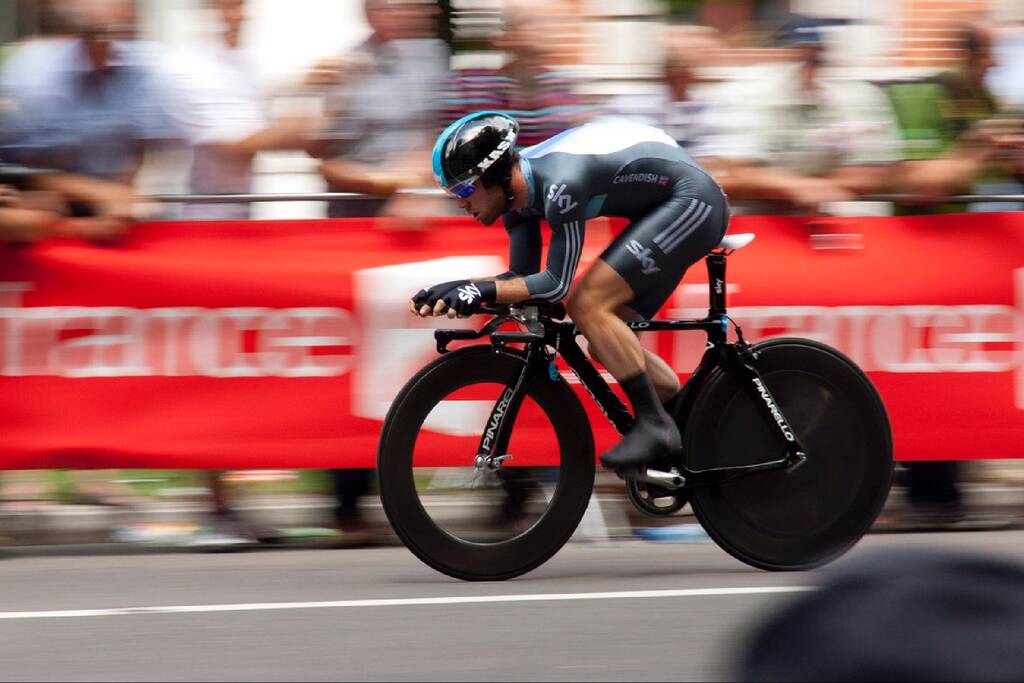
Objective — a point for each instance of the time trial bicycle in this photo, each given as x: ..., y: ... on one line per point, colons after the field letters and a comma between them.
x: 486, y: 460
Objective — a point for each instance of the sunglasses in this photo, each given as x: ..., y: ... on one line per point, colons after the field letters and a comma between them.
x: 460, y: 189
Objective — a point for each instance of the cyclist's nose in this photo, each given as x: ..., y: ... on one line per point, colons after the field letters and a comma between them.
x: 462, y: 203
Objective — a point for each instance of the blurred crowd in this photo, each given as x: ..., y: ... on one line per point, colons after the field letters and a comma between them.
x: 85, y: 107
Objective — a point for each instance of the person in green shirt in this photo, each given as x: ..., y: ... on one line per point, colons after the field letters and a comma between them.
x: 950, y: 123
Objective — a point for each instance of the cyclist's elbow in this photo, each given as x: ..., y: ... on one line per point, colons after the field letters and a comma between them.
x: 551, y: 288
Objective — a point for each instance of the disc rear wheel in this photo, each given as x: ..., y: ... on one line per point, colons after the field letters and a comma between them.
x: 804, y: 517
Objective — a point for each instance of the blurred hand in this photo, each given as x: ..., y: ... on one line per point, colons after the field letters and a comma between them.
x: 811, y: 193
x: 297, y: 131
x: 325, y: 72
x: 334, y: 70
x: 24, y: 226
x: 935, y: 179
x: 117, y: 203
x: 45, y: 200
x: 9, y: 196
x: 410, y: 212
x: 100, y: 229
x: 998, y: 132
x: 115, y: 207
x: 1008, y: 140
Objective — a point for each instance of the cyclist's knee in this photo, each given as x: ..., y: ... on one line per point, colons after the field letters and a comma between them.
x: 581, y: 306
x: 588, y: 302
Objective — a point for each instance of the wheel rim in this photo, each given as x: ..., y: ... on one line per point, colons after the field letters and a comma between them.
x: 484, y: 504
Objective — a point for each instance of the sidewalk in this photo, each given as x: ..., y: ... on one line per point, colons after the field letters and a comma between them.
x: 305, y: 521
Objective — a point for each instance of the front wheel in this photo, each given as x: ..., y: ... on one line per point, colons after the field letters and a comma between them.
x: 473, y: 523
x: 801, y: 518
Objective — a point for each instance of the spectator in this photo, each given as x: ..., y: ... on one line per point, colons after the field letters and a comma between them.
x: 810, y: 140
x: 545, y: 101
x: 898, y: 616
x: 224, y: 116
x: 971, y: 103
x: 29, y: 212
x: 679, y: 106
x: 223, y: 113
x: 25, y: 217
x: 796, y: 143
x: 376, y: 142
x: 957, y: 108
x: 88, y: 106
x: 791, y: 141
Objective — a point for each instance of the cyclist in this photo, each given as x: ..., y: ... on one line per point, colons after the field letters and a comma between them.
x: 606, y: 168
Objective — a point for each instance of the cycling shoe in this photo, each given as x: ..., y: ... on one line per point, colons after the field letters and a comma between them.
x: 647, y: 442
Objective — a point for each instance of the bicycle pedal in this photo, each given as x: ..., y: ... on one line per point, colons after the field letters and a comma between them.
x: 671, y: 480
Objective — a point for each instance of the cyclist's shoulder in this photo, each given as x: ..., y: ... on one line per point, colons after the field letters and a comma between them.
x: 598, y: 138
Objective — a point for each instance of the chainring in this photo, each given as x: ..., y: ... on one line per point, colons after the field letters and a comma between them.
x: 655, y: 501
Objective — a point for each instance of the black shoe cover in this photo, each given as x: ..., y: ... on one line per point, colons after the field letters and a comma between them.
x: 647, y: 442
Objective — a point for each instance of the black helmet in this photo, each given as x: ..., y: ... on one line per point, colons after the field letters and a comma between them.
x: 475, y: 146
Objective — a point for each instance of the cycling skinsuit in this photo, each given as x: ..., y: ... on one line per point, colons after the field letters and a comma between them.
x: 676, y: 210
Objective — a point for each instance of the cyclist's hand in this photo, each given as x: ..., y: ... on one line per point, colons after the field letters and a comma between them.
x: 425, y: 301
x: 467, y: 298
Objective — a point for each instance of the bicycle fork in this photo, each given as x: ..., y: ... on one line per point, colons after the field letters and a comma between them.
x: 493, y: 448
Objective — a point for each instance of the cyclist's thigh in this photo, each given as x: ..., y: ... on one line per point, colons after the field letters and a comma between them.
x: 654, y: 251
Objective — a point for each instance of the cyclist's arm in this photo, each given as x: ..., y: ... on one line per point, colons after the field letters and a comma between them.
x: 552, y: 283
x: 524, y: 247
x: 512, y: 291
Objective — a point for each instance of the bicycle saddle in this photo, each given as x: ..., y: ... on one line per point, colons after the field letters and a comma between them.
x: 734, y: 242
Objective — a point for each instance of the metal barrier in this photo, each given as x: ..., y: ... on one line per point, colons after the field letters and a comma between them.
x: 310, y: 197
x: 955, y: 199
x: 431, y: 192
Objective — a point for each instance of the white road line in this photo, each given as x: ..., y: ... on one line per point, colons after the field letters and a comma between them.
x: 403, y: 602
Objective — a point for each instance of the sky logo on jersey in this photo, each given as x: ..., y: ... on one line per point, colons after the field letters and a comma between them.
x: 564, y: 201
x: 643, y: 254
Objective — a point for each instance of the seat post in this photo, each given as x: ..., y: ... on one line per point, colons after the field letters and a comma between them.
x: 716, y: 283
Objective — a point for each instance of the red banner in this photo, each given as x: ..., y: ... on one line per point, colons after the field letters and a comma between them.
x: 281, y: 344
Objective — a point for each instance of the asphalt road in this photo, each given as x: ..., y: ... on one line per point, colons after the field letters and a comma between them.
x: 624, y: 611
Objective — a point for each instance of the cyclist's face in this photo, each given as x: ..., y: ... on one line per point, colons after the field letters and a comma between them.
x: 485, y: 204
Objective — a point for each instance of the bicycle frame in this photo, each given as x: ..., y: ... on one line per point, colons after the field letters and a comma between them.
x: 543, y: 333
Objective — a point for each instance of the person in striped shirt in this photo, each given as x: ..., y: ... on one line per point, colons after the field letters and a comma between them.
x: 545, y: 101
